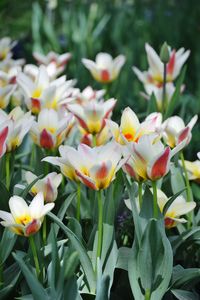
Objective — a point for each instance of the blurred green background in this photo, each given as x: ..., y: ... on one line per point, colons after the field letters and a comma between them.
x: 85, y: 28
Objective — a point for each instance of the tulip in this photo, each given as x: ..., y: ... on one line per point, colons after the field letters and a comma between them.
x: 101, y: 138
x: 154, y: 75
x: 51, y: 129
x: 158, y: 92
x: 175, y: 130
x: 19, y: 123
x: 48, y: 185
x: 87, y: 95
x: 148, y: 159
x: 105, y: 69
x: 42, y: 92
x: 130, y: 129
x: 178, y: 208
x: 25, y: 220
x: 192, y: 168
x: 95, y: 167
x: 60, y: 60
x: 91, y: 117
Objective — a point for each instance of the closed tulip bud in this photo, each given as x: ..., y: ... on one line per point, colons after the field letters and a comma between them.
x: 164, y: 53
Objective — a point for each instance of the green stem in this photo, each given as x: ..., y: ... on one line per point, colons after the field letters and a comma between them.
x: 164, y: 106
x: 1, y: 274
x: 44, y: 230
x: 147, y: 295
x: 188, y: 190
x: 140, y: 193
x: 100, y: 223
x: 155, y: 205
x: 35, y: 257
x: 94, y: 140
x: 8, y: 171
x: 78, y: 211
x: 186, y: 177
x: 32, y: 160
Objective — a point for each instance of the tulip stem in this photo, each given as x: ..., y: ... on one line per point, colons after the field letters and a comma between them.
x: 8, y: 171
x: 140, y: 193
x: 78, y: 211
x: 155, y: 205
x: 147, y: 295
x: 100, y: 223
x: 186, y: 177
x: 164, y: 89
x: 44, y: 230
x: 94, y: 140
x: 35, y: 257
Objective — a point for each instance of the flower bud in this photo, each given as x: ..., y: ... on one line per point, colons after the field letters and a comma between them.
x: 164, y: 53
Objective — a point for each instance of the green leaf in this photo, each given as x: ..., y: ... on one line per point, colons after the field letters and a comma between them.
x: 36, y: 288
x: 150, y: 266
x: 54, y: 269
x: 124, y: 255
x: 102, y: 291
x: 11, y: 276
x: 5, y: 196
x: 177, y: 181
x: 25, y: 192
x: 84, y: 258
x: 184, y: 295
x: 152, y: 104
x: 71, y: 264
x: 185, y: 278
x: 62, y: 211
x: 136, y: 219
x: 186, y: 238
x: 6, y: 245
x: 176, y: 96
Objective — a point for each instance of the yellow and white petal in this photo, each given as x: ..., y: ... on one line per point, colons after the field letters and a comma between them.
x: 18, y: 208
x: 6, y: 218
x: 129, y: 124
x: 36, y: 206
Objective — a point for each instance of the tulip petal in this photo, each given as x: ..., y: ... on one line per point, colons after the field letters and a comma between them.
x: 46, y: 140
x: 86, y: 180
x: 3, y: 136
x: 160, y: 165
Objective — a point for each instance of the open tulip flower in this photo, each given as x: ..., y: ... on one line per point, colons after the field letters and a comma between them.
x: 19, y: 124
x: 42, y: 92
x: 91, y: 117
x: 48, y: 185
x: 95, y: 167
x: 25, y: 220
x: 105, y: 69
x: 87, y: 95
x: 193, y: 169
x: 154, y: 75
x: 158, y: 92
x: 60, y: 60
x: 178, y: 208
x: 175, y: 130
x: 51, y: 128
x: 148, y: 159
x: 131, y: 129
